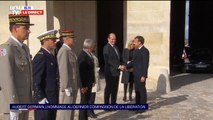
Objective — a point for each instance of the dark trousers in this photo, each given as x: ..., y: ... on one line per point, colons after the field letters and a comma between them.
x: 45, y: 114
x: 92, y: 101
x: 130, y: 89
x: 53, y: 98
x: 111, y: 89
x: 84, y: 100
x: 140, y: 92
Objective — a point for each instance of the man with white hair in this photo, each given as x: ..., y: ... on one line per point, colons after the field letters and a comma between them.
x: 86, y: 74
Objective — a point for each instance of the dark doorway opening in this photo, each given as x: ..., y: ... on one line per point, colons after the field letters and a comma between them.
x: 201, y: 24
x: 177, y: 29
x: 200, y: 29
x: 109, y: 19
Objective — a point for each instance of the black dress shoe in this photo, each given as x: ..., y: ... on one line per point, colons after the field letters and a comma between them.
x: 92, y: 115
x: 140, y: 111
x: 124, y: 99
x: 132, y: 110
x: 130, y: 99
x: 107, y: 110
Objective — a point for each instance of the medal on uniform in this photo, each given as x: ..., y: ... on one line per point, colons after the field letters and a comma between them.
x: 3, y: 52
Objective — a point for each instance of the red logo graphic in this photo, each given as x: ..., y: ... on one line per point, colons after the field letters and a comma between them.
x: 32, y: 12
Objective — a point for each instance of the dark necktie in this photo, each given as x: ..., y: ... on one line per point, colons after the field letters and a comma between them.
x: 91, y: 56
x: 116, y: 52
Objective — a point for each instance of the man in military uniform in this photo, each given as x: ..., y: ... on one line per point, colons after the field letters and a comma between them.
x: 68, y: 69
x: 15, y: 74
x: 45, y: 76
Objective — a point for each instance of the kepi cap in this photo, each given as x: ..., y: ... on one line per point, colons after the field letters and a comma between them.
x: 19, y: 19
x: 49, y: 34
x: 67, y: 33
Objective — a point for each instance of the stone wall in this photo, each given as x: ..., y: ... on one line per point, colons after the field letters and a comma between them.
x: 79, y: 16
x: 151, y: 19
x: 39, y: 21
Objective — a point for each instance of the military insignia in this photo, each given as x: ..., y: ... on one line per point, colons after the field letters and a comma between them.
x: 3, y: 52
x: 41, y: 53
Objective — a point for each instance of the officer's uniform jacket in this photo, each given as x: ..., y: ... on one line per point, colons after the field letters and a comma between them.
x: 15, y: 75
x: 67, y: 62
x: 45, y: 77
x: 68, y: 71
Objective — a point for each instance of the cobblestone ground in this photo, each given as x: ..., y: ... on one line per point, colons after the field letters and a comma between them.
x: 191, y: 98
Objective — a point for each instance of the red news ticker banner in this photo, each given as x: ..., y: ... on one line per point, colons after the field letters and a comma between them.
x: 32, y: 12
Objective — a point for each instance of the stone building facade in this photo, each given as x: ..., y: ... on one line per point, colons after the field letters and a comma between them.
x: 150, y: 19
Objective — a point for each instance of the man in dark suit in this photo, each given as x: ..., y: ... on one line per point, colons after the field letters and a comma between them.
x: 140, y: 66
x: 58, y: 45
x: 46, y: 76
x: 112, y: 69
x: 86, y: 74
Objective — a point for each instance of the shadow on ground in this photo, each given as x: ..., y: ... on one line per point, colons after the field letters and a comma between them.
x: 154, y: 103
x: 157, y: 100
x: 179, y: 80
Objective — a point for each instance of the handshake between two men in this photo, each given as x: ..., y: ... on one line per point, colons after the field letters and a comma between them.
x: 122, y: 67
x: 126, y: 67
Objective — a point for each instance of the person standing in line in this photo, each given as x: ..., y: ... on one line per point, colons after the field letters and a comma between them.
x: 16, y: 71
x: 97, y: 86
x: 46, y: 76
x: 140, y: 64
x: 86, y: 75
x: 68, y: 71
x: 127, y: 76
x: 58, y: 45
x: 112, y: 69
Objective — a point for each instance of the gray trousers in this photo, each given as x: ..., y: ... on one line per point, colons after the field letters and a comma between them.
x: 63, y: 99
x: 22, y: 116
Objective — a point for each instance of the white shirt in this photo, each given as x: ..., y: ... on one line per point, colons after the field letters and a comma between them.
x: 47, y: 50
x: 111, y: 44
x: 116, y: 54
x: 115, y: 50
x: 88, y: 53
x: 140, y: 47
x: 19, y: 43
x: 67, y: 46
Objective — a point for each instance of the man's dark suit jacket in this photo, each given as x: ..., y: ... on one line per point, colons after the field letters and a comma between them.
x: 111, y: 60
x: 45, y: 77
x: 140, y: 63
x: 86, y: 70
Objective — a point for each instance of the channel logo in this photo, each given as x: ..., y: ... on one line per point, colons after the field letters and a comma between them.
x: 25, y: 10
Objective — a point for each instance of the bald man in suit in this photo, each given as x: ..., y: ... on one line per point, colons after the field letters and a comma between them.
x: 112, y: 67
